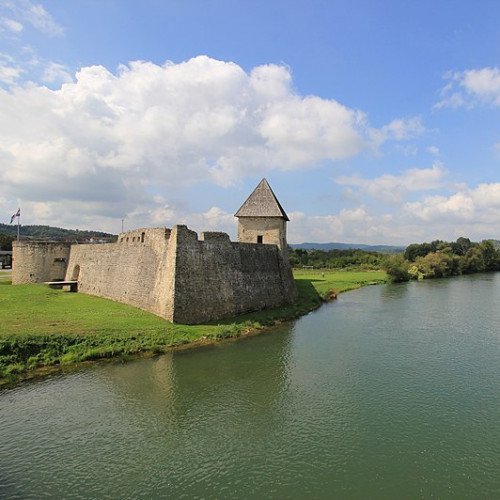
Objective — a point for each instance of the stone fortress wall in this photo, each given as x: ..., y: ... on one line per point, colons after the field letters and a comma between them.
x: 217, y: 278
x: 134, y: 270
x: 172, y: 272
x: 36, y: 262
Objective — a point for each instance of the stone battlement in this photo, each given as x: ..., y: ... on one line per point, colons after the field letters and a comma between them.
x: 143, y: 234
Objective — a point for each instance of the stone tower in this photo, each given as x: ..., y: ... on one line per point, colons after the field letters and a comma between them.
x: 261, y: 219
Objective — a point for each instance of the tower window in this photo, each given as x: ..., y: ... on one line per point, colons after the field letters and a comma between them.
x: 260, y: 239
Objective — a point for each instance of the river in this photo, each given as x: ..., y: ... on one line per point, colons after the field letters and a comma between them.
x: 392, y: 391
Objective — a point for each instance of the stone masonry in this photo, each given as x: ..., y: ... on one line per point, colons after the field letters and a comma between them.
x: 36, y: 262
x: 174, y: 273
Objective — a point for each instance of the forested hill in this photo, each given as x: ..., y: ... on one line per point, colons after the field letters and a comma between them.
x: 53, y: 233
x: 349, y: 246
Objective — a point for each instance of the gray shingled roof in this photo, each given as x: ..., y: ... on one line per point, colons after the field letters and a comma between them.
x: 262, y: 203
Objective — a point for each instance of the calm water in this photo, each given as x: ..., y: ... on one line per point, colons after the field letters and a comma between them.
x: 391, y: 392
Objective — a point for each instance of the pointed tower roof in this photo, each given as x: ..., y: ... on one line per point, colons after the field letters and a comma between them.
x: 262, y: 203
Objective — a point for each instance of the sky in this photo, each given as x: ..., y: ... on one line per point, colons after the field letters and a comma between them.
x: 374, y: 121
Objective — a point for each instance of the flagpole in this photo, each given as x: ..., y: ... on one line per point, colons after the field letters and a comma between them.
x: 18, y: 225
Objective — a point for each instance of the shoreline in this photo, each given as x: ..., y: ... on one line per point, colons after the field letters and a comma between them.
x: 121, y: 349
x: 41, y: 372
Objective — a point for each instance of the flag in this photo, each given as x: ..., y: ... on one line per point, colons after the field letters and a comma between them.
x: 17, y: 214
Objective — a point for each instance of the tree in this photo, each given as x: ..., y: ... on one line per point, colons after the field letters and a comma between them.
x: 491, y: 256
x: 461, y: 246
x: 6, y: 241
x: 398, y: 268
x: 435, y: 265
x: 474, y: 261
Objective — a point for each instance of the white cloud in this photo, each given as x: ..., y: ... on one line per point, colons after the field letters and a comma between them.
x: 106, y: 138
x: 393, y: 188
x: 471, y: 87
x: 105, y: 145
x: 471, y: 211
x: 434, y: 151
x: 20, y: 63
x: 355, y: 225
x: 9, y: 74
x: 400, y: 129
x: 479, y: 205
x: 34, y: 14
x: 11, y: 25
x: 318, y: 228
x: 459, y: 205
x: 10, y: 71
x: 484, y: 83
x: 56, y: 73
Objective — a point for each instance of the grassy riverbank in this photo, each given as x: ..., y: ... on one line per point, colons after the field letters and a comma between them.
x: 43, y: 327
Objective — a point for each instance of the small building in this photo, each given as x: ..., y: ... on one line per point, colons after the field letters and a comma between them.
x: 261, y: 219
x: 5, y: 258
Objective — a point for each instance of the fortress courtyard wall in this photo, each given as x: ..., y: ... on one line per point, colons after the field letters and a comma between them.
x: 134, y: 270
x: 217, y: 278
x: 36, y: 262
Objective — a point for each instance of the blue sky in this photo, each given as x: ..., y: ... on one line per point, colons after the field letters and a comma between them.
x: 375, y: 122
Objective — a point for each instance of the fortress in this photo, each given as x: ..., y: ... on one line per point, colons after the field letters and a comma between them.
x: 173, y: 273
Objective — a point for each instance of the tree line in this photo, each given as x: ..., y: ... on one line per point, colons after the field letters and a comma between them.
x: 336, y: 259
x: 48, y: 233
x: 439, y: 259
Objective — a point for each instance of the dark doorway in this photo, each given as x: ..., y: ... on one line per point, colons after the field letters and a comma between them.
x: 76, y: 273
x: 260, y: 239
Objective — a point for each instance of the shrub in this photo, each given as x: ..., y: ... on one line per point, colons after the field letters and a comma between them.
x: 398, y: 268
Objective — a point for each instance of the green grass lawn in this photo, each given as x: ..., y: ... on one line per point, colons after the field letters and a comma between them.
x: 340, y: 281
x: 40, y: 326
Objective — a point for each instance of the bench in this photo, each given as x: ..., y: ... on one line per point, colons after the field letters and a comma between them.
x: 73, y: 285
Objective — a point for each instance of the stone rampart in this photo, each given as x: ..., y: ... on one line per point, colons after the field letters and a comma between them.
x: 171, y: 273
x: 36, y: 262
x: 216, y: 278
x: 134, y: 270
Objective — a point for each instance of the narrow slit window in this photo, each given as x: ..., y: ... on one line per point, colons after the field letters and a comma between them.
x: 260, y: 239
x: 142, y: 237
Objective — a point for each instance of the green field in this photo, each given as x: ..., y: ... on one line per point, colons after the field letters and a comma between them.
x: 41, y: 327
x: 340, y: 281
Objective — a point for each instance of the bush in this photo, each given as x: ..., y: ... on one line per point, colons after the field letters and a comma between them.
x: 398, y: 268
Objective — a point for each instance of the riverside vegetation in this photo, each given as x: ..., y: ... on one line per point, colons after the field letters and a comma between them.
x: 440, y: 259
x: 42, y: 327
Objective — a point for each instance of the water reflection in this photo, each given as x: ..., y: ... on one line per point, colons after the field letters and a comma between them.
x: 390, y: 391
x: 186, y: 380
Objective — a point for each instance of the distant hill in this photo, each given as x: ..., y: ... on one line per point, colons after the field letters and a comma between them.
x: 347, y: 246
x: 53, y: 233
